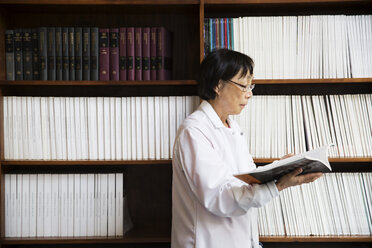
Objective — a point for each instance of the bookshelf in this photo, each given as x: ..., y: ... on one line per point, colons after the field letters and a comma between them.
x: 149, y: 181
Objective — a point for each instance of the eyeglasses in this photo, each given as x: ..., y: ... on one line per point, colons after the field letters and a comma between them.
x: 243, y: 88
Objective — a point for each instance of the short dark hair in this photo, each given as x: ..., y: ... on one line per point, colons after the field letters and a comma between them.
x: 221, y: 64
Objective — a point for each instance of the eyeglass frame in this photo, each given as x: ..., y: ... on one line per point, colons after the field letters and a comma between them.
x: 243, y: 88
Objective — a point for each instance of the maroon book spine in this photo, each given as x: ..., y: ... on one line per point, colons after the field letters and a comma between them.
x: 104, y: 54
x: 130, y: 53
x: 138, y: 52
x: 146, y: 53
x: 164, y: 54
x: 114, y: 54
x: 123, y: 54
x: 153, y: 58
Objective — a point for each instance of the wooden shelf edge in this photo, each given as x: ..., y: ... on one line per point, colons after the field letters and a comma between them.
x: 282, y: 1
x: 288, y: 239
x: 100, y: 2
x: 107, y: 240
x: 96, y: 83
x: 315, y: 81
x: 83, y: 162
x: 82, y: 240
x: 142, y: 162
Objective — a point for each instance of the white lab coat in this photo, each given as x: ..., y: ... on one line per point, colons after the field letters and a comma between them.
x: 211, y: 208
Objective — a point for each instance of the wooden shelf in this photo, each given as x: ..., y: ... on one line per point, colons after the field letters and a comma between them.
x: 38, y: 83
x: 98, y: 88
x: 134, y: 237
x: 289, y: 239
x: 367, y: 81
x: 281, y: 1
x: 99, y: 2
x: 147, y: 235
x: 154, y: 162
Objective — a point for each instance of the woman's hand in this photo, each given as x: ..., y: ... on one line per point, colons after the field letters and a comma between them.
x: 293, y: 179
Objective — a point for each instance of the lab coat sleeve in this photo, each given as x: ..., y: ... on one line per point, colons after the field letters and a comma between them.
x: 211, y: 181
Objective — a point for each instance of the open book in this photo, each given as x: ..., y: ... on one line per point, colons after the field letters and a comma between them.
x: 312, y: 161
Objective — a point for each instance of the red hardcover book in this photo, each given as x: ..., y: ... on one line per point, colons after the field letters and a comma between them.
x: 123, y: 54
x: 138, y: 52
x: 153, y: 57
x: 146, y: 53
x: 104, y: 54
x: 114, y: 54
x: 130, y: 53
x: 164, y: 54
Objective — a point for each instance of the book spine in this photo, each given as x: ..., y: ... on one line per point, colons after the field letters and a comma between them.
x: 43, y: 53
x: 146, y: 53
x: 27, y: 54
x: 51, y: 51
x: 130, y: 53
x: 58, y: 53
x: 153, y: 57
x: 86, y: 53
x: 9, y: 50
x: 94, y: 51
x: 71, y: 52
x: 65, y: 58
x: 138, y: 53
x: 164, y: 61
x: 78, y: 54
x: 123, y: 54
x: 35, y: 54
x: 104, y: 55
x: 114, y: 54
x: 18, y: 54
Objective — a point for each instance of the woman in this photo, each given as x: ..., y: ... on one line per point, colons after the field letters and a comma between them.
x: 212, y: 208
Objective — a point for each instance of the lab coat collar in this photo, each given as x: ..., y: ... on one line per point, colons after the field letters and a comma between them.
x: 207, y: 108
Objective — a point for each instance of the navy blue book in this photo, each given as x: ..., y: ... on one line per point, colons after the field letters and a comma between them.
x: 58, y: 53
x: 18, y: 58
x: 51, y: 51
x: 78, y: 54
x: 71, y: 52
x: 35, y: 54
x: 9, y: 51
x: 27, y: 54
x: 65, y: 56
x: 86, y: 53
x: 43, y: 54
x: 94, y: 51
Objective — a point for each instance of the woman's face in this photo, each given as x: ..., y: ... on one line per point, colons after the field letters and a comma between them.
x: 233, y: 94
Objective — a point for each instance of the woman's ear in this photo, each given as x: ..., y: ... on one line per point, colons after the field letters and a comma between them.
x: 218, y: 88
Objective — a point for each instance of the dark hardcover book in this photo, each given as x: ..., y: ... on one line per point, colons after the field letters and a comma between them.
x: 146, y: 53
x: 123, y: 54
x: 78, y: 54
x: 130, y: 53
x: 114, y: 54
x: 94, y: 53
x: 65, y: 56
x: 35, y: 54
x: 51, y: 51
x: 138, y: 53
x: 27, y: 54
x: 164, y: 54
x: 18, y: 58
x: 86, y: 53
x: 9, y: 51
x: 59, y: 53
x: 104, y: 54
x: 153, y: 57
x: 43, y: 55
x: 206, y: 36
x: 71, y: 52
x: 311, y: 161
